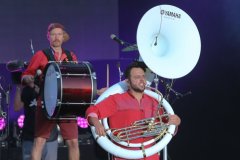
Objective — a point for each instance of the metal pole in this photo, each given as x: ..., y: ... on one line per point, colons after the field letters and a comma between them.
x: 165, y: 153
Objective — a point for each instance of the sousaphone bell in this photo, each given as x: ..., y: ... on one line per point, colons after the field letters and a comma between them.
x: 168, y: 41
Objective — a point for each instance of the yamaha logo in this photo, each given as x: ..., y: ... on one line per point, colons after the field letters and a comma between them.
x: 171, y: 14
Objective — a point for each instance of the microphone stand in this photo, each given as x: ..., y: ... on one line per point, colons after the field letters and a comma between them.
x: 120, y: 72
x: 3, y: 114
x: 31, y: 46
x: 156, y: 81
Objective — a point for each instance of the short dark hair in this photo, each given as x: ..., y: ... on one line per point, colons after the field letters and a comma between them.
x: 134, y: 64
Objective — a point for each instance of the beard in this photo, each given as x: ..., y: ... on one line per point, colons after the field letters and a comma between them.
x: 136, y: 88
x: 56, y: 43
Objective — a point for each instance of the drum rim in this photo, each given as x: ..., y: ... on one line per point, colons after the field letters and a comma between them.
x: 57, y: 110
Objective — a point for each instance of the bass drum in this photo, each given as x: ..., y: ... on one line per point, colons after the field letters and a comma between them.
x: 68, y: 89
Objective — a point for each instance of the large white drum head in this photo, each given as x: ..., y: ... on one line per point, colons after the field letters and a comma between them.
x: 168, y: 41
x: 50, y: 89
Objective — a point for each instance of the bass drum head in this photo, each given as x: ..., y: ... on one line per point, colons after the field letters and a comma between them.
x: 50, y: 91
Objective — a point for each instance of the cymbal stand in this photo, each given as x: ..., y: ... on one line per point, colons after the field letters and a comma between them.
x: 4, y: 115
x: 169, y: 89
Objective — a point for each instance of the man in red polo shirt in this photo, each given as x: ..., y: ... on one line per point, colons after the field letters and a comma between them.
x: 56, y: 35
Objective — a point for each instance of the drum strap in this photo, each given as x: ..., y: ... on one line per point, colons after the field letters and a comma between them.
x: 50, y: 57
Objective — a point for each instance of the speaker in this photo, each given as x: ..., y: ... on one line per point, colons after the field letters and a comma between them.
x: 89, y: 151
x: 7, y: 153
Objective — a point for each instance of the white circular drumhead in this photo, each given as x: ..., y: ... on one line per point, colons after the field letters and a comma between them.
x: 168, y: 41
x: 50, y: 90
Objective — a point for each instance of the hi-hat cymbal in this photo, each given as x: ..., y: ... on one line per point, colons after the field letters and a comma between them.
x: 168, y: 41
x: 130, y: 48
x: 14, y: 65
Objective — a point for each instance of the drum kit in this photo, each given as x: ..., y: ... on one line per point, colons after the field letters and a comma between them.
x: 169, y: 44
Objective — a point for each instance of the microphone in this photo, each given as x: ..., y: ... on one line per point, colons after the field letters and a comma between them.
x: 115, y: 38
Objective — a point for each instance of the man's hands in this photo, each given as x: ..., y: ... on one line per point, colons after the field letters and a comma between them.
x: 174, y: 119
x: 100, y: 91
x: 27, y: 80
x: 100, y: 130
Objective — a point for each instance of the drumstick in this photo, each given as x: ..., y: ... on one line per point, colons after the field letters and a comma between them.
x: 107, y: 75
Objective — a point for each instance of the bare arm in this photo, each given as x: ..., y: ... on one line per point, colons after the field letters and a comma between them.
x: 18, y: 104
x: 174, y: 119
x: 98, y: 126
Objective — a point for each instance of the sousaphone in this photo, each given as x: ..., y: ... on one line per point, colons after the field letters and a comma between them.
x: 168, y: 41
x: 169, y: 44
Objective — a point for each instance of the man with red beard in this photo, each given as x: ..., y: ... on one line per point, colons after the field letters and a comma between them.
x: 56, y: 35
x: 124, y: 109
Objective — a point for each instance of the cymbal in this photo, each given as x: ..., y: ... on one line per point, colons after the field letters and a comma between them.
x: 15, y: 65
x: 130, y: 48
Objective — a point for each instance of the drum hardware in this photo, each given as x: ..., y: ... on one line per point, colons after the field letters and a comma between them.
x: 69, y: 103
x: 68, y: 74
x: 63, y: 118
